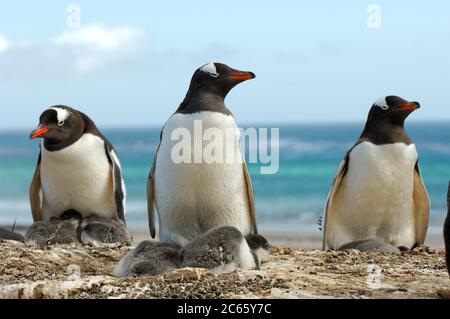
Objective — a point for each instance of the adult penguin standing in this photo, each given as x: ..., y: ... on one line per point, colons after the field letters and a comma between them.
x: 378, y: 200
x: 78, y: 173
x: 194, y: 197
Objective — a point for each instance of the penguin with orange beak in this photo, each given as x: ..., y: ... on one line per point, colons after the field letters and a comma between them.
x: 78, y: 171
x: 378, y: 200
x: 194, y: 196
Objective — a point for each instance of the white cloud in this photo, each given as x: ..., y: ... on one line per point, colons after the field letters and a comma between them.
x: 98, y: 52
x: 4, y: 44
x: 100, y: 37
x: 72, y: 54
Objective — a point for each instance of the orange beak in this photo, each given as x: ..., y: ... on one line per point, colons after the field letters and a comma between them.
x: 39, y: 132
x: 241, y: 76
x: 410, y: 107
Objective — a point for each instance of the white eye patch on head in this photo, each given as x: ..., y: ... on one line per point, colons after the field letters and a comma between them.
x: 62, y: 115
x: 211, y: 69
x: 382, y: 104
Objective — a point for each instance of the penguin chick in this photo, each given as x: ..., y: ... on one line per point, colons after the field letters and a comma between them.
x: 47, y: 233
x: 371, y: 245
x: 9, y: 235
x: 222, y: 249
x: 259, y: 245
x: 96, y: 229
x: 149, y: 259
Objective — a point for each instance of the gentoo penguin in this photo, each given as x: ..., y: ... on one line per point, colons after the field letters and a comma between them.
x: 149, y: 259
x: 222, y: 249
x: 447, y: 232
x: 378, y: 193
x: 195, y: 196
x: 77, y: 169
x: 9, y: 235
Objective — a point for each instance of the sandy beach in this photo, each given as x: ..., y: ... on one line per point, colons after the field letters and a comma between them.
x: 75, y: 271
x: 295, y: 269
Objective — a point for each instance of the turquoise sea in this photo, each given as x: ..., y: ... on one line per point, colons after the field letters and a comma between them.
x: 293, y: 198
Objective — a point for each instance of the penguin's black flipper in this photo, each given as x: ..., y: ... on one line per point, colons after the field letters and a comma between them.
x: 447, y: 232
x: 341, y: 172
x: 151, y: 199
x: 117, y: 178
x: 151, y: 193
x: 421, y: 207
x: 149, y: 259
x: 9, y: 235
x: 35, y: 193
x: 250, y: 198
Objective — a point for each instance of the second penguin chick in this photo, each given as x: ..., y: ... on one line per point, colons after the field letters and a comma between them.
x: 222, y: 249
x: 150, y: 259
x: 9, y: 235
x: 371, y: 245
x: 96, y: 229
x: 259, y: 245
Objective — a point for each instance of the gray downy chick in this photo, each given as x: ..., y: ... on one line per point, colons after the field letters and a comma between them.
x: 9, y: 235
x: 259, y: 245
x: 371, y: 245
x: 63, y: 230
x: 222, y: 249
x: 97, y: 229
x: 149, y: 259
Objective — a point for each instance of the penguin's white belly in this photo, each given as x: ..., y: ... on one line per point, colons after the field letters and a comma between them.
x: 192, y: 198
x: 77, y: 177
x: 375, y: 199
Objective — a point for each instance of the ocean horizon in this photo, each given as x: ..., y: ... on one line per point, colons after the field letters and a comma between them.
x: 293, y: 198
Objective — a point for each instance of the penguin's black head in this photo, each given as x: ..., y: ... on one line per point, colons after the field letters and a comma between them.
x: 218, y: 79
x: 392, y: 109
x: 59, y: 126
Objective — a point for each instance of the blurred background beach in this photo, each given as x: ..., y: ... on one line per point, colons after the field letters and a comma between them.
x: 319, y: 67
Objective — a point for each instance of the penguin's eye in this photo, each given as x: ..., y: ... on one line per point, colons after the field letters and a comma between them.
x: 61, y: 123
x: 384, y: 107
x: 213, y: 74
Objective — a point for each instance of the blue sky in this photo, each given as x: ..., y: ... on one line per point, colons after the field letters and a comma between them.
x: 130, y: 62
